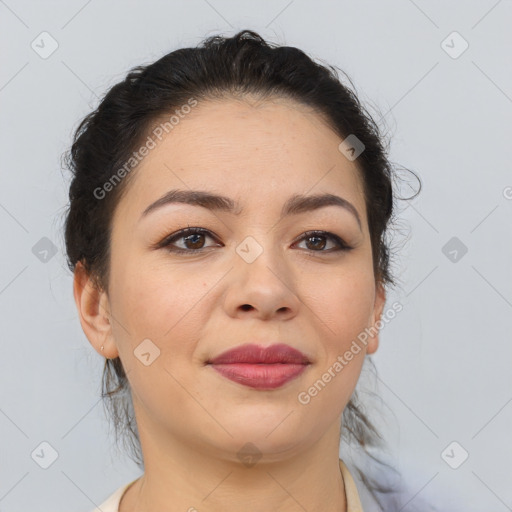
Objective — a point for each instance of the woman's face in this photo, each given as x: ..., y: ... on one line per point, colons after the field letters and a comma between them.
x: 251, y: 277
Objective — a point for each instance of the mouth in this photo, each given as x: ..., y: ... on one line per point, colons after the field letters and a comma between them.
x: 261, y: 367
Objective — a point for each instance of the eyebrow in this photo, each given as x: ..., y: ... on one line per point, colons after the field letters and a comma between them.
x: 294, y: 205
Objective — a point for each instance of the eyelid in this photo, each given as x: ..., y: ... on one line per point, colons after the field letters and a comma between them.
x: 341, y: 245
x: 176, y: 235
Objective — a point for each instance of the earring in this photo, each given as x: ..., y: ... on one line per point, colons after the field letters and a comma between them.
x: 102, y: 348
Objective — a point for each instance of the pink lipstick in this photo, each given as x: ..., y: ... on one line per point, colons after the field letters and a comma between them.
x: 261, y: 367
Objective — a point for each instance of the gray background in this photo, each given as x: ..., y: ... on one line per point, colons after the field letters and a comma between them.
x: 444, y: 362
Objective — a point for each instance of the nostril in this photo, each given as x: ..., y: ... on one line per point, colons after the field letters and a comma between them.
x: 246, y: 307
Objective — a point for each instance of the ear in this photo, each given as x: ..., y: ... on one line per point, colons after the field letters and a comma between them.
x: 94, y: 312
x: 378, y: 308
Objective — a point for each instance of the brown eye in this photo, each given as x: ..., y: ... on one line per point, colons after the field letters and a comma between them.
x: 195, y: 241
x: 191, y: 239
x: 316, y: 241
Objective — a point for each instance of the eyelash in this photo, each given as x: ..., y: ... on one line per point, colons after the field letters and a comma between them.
x: 166, y: 242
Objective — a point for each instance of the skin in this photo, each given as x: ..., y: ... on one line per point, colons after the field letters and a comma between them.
x: 192, y: 421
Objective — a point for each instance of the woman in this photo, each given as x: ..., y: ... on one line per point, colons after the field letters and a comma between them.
x: 226, y: 233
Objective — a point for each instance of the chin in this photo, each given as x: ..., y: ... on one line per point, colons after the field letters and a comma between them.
x: 270, y: 431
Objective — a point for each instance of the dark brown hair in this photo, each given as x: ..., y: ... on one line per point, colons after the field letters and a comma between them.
x: 220, y: 67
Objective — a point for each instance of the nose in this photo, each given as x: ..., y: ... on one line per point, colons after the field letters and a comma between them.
x: 264, y: 289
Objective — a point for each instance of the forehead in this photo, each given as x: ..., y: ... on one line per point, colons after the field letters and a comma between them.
x: 249, y: 149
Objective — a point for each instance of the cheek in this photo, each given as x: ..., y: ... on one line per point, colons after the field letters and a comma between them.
x: 345, y: 312
x: 157, y: 304
x: 343, y: 305
x: 163, y: 304
x: 154, y: 296
x: 347, y: 308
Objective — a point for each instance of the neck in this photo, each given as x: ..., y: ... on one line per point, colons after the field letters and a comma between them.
x: 192, y: 481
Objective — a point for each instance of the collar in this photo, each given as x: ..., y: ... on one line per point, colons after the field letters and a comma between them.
x: 351, y: 494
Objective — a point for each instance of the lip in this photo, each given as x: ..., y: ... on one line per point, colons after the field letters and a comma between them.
x: 261, y: 367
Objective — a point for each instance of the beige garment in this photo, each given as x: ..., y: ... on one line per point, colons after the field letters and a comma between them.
x: 351, y: 494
